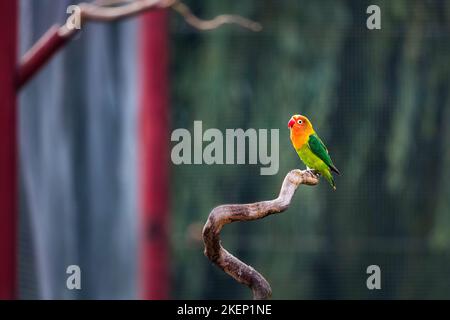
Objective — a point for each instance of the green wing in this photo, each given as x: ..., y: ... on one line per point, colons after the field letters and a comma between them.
x: 318, y: 148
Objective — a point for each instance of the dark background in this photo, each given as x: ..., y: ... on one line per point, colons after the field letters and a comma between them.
x: 380, y: 101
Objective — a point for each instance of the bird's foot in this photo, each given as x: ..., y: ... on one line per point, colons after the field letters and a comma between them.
x: 313, y: 171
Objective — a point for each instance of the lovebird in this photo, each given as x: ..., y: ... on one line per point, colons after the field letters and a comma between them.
x: 310, y: 148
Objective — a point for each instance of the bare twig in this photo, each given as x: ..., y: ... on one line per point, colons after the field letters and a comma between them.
x: 93, y: 12
x: 228, y: 213
x: 188, y: 16
x: 112, y: 10
x: 40, y: 53
x: 216, y: 22
x: 56, y: 37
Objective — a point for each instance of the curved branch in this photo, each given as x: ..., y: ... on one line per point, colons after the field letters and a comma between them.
x: 228, y: 213
x: 112, y: 10
x: 58, y: 36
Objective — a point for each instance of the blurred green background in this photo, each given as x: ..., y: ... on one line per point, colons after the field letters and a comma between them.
x: 380, y: 101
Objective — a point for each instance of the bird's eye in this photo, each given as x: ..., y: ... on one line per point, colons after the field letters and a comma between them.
x: 299, y: 121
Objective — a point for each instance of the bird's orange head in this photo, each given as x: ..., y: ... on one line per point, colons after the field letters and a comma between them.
x: 301, y: 128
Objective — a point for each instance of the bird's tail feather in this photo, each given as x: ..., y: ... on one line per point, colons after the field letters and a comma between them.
x: 330, y: 179
x: 333, y: 168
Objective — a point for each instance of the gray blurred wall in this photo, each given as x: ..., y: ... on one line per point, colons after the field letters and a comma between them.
x: 77, y: 161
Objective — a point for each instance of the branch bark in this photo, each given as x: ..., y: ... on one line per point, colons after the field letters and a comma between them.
x: 111, y: 10
x: 229, y: 213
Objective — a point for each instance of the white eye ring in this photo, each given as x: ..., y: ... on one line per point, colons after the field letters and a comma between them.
x: 299, y: 121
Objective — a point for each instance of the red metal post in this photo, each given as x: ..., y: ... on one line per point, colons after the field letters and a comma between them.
x: 8, y: 148
x: 154, y: 153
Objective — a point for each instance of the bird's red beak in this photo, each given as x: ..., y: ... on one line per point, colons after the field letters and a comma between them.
x: 291, y: 123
